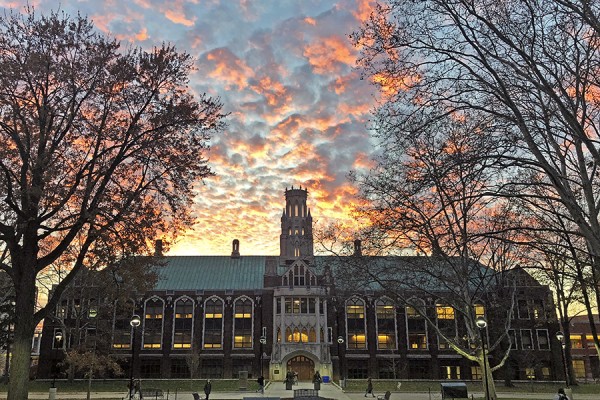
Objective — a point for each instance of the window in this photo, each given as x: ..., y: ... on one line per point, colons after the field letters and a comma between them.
x: 357, y: 369
x: 388, y: 368
x: 579, y: 369
x: 150, y: 368
x: 298, y: 274
x: 446, y: 324
x: 242, y: 320
x: 576, y: 342
x: 476, y: 372
x: 530, y: 373
x: 179, y: 368
x: 526, y: 340
x: 355, y: 323
x: 61, y: 309
x: 213, y: 323
x: 523, y: 309
x: 153, y: 323
x: 121, y: 326
x: 542, y: 337
x: 183, y: 323
x: 212, y: 368
x: 512, y: 336
x: 239, y: 365
x: 419, y: 369
x: 479, y: 310
x: 589, y: 341
x: 386, y: 324
x: 450, y: 372
x: 538, y: 309
x: 416, y: 329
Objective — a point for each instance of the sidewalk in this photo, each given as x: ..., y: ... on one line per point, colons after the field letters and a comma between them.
x: 276, y: 390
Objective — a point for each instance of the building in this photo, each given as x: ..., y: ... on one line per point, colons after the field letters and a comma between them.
x: 583, y: 350
x: 272, y: 314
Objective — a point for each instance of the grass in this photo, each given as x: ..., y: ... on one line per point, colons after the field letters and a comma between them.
x: 353, y: 385
x: 358, y: 385
x: 120, y: 385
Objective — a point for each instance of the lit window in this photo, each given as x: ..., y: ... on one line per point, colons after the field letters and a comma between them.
x: 153, y: 323
x: 183, y: 323
x: 213, y: 323
x: 386, y: 324
x: 243, y: 323
x: 355, y: 322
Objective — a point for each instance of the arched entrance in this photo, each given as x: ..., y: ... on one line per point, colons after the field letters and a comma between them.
x: 304, y: 366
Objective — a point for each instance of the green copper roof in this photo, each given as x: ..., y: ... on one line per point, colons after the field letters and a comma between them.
x: 211, y: 273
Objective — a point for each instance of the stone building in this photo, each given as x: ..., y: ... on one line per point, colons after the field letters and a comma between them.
x: 272, y: 314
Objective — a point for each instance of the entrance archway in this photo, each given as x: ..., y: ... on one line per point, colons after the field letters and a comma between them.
x: 304, y: 366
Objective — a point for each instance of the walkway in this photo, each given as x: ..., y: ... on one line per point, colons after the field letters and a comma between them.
x: 277, y: 390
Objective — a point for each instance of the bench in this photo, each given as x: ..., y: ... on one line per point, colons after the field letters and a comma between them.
x: 150, y: 394
x: 303, y: 393
x: 386, y: 396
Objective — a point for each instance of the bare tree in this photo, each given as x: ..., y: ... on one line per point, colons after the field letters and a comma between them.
x: 100, y: 149
x: 432, y: 195
x: 530, y: 64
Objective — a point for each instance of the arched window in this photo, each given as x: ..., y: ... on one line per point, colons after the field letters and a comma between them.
x: 288, y: 335
x: 121, y: 325
x: 213, y: 323
x: 296, y: 338
x: 416, y: 327
x: 183, y: 323
x: 355, y: 322
x: 304, y: 335
x: 446, y: 323
x: 153, y: 323
x: 386, y: 324
x: 242, y: 337
x: 312, y: 335
x: 278, y: 335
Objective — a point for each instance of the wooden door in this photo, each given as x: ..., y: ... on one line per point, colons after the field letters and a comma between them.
x: 304, y: 366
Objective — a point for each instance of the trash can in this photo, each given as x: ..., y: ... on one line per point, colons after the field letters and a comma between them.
x: 288, y: 384
x: 454, y: 390
x: 52, y: 394
x: 317, y: 385
x: 326, y: 379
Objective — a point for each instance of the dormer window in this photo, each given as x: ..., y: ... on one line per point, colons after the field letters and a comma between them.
x: 299, y: 275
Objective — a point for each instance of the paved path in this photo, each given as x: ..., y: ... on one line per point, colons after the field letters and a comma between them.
x: 277, y: 390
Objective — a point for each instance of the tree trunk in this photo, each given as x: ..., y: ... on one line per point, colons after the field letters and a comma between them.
x: 21, y: 359
x: 488, y: 379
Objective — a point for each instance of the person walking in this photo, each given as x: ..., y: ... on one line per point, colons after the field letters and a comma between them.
x: 317, y: 380
x: 561, y: 395
x: 207, y: 388
x: 369, y: 388
x: 261, y: 384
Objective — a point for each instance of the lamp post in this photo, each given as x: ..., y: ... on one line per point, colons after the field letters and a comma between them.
x: 340, y: 342
x: 482, y: 324
x: 135, y: 322
x: 263, y: 341
x: 561, y: 339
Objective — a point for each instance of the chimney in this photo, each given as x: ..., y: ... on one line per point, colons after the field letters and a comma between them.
x: 158, y: 248
x: 357, y: 248
x: 235, y: 252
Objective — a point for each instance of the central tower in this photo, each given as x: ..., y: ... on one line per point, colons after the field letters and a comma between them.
x: 296, y: 240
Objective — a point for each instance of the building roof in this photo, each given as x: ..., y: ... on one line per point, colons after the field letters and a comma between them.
x: 211, y: 273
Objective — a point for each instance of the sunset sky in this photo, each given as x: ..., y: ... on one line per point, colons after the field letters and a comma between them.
x: 284, y: 69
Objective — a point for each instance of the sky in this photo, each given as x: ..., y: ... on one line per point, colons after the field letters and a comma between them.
x: 285, y: 71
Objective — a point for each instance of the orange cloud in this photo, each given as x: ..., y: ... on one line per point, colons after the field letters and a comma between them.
x: 229, y: 69
x: 326, y: 53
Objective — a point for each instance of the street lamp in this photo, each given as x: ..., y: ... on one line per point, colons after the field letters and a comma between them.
x: 340, y: 342
x: 263, y: 341
x: 561, y: 338
x: 58, y: 337
x: 482, y: 324
x: 135, y: 322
